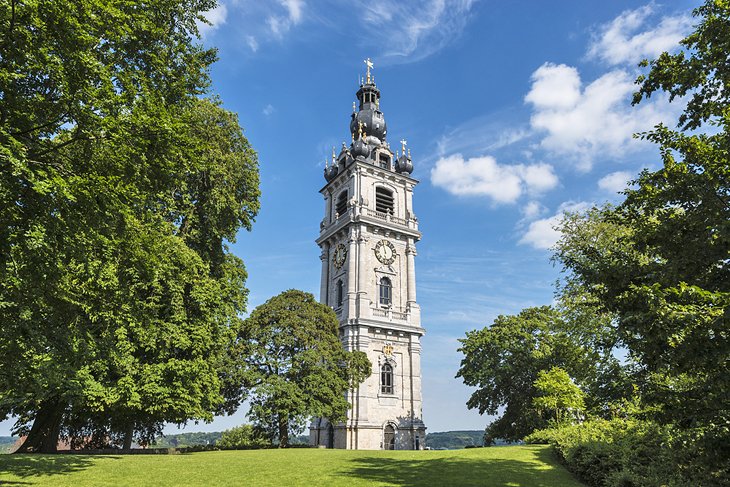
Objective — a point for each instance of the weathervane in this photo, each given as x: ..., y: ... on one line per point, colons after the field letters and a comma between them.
x: 369, y: 64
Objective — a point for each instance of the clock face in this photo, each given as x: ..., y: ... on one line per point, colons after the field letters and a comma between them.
x: 339, y: 257
x: 385, y: 252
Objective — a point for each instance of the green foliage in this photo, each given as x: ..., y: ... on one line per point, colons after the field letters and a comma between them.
x: 244, y: 436
x: 454, y: 440
x: 119, y: 185
x: 504, y: 360
x: 558, y: 394
x: 631, y: 452
x: 184, y: 440
x: 660, y: 264
x: 296, y: 365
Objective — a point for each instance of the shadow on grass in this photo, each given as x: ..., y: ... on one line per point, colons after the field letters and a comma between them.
x: 462, y: 471
x: 35, y: 466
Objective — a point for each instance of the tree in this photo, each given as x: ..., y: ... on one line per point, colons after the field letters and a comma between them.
x: 667, y: 278
x: 557, y: 393
x: 119, y: 186
x: 297, y: 366
x: 244, y: 436
x: 504, y: 360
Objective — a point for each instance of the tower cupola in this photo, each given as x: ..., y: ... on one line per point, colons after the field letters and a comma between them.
x: 369, y: 114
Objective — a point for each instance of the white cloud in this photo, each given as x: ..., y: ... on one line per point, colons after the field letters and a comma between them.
x: 483, y: 176
x: 215, y: 17
x: 268, y: 110
x: 411, y: 31
x: 584, y: 122
x: 615, y: 182
x: 620, y: 41
x: 280, y: 24
x: 252, y: 43
x: 541, y: 234
x: 532, y: 210
x: 554, y: 87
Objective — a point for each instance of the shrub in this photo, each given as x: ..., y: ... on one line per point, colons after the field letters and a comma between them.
x: 244, y: 436
x: 632, y: 453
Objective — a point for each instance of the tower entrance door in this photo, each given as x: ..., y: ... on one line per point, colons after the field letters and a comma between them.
x: 389, y: 438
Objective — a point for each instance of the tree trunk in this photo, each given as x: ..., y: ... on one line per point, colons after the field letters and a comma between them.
x: 128, y: 435
x: 43, y: 436
x: 283, y: 431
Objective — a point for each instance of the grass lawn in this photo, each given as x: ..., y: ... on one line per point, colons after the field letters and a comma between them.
x: 513, y: 466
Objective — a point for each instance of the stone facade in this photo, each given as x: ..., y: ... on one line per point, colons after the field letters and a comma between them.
x: 368, y: 238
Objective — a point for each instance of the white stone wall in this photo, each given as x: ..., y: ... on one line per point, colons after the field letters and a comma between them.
x: 365, y: 324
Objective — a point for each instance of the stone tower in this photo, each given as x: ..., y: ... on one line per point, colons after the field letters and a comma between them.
x: 368, y: 239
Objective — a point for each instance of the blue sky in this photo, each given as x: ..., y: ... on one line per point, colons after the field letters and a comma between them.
x: 514, y: 112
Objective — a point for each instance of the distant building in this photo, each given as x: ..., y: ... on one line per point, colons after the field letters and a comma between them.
x: 368, y: 239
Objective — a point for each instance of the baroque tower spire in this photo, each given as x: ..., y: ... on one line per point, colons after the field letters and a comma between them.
x: 368, y: 241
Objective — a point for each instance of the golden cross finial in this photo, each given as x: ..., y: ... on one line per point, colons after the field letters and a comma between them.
x: 403, y: 143
x: 333, y: 154
x: 409, y: 153
x: 369, y: 64
x: 360, y: 126
x: 326, y: 164
x: 353, y: 107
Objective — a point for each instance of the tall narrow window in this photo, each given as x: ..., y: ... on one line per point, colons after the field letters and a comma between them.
x: 386, y: 291
x: 386, y: 379
x: 383, y: 200
x: 384, y: 160
x: 341, y: 206
x: 340, y: 293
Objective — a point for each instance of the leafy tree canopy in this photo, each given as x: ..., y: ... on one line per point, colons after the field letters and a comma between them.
x: 659, y: 261
x: 119, y: 186
x: 504, y: 360
x: 297, y: 366
x: 244, y: 436
x: 558, y: 394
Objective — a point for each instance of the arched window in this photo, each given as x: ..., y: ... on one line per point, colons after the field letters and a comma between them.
x: 340, y: 292
x: 389, y: 437
x: 386, y: 379
x: 386, y: 291
x: 383, y: 200
x: 341, y: 206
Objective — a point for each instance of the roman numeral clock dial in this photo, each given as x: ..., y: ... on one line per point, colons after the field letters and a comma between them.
x: 385, y: 252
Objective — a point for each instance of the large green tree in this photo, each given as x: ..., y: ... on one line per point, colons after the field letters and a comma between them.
x: 297, y: 368
x: 504, y: 360
x: 663, y: 269
x: 119, y: 186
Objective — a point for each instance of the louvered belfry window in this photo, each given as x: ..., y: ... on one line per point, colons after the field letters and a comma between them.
x: 384, y: 200
x: 341, y: 206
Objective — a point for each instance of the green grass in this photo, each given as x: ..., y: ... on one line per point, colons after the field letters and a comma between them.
x: 512, y: 466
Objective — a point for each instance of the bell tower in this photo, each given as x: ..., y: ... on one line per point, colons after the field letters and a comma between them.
x: 368, y: 240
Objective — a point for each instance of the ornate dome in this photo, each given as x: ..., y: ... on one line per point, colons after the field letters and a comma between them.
x: 404, y: 164
x: 373, y: 123
x: 360, y: 148
x: 330, y: 172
